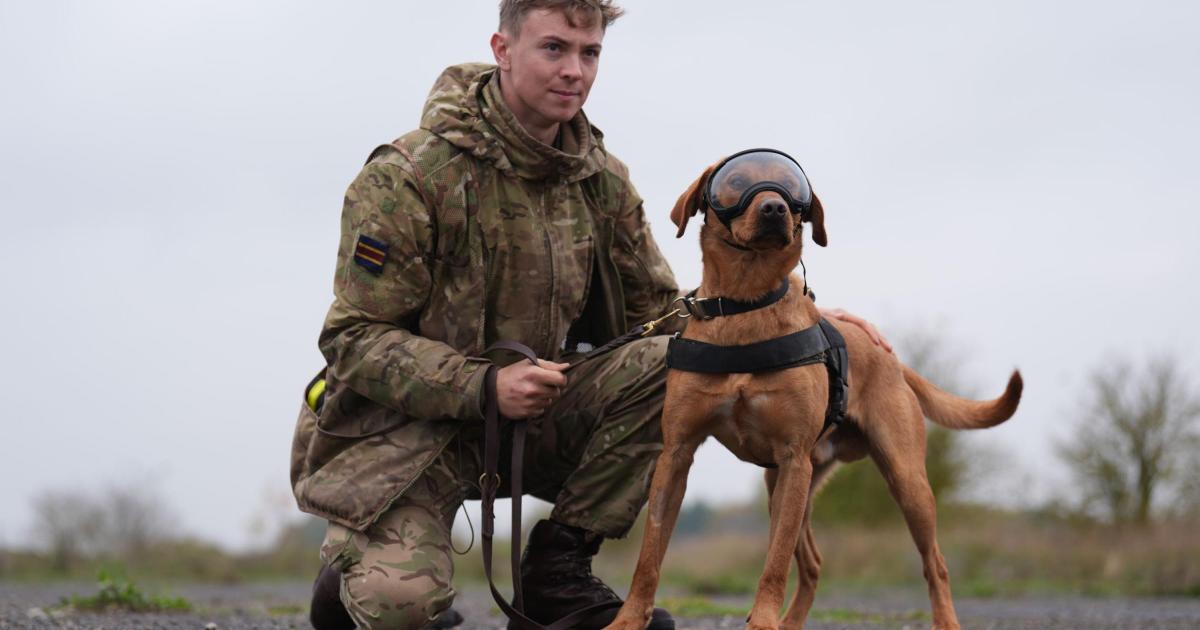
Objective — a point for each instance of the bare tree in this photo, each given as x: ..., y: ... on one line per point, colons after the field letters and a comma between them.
x: 1187, y: 506
x: 1136, y: 440
x: 135, y: 519
x: 68, y: 524
x: 123, y: 521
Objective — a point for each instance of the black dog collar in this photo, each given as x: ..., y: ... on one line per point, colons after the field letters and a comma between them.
x: 710, y: 307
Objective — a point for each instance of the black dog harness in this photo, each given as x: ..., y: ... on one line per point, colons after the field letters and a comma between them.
x: 821, y: 343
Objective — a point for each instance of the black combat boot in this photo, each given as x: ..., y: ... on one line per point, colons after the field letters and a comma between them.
x: 448, y: 619
x: 328, y: 613
x: 556, y: 575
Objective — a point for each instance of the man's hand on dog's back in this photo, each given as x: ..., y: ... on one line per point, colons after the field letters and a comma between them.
x: 872, y: 332
x: 526, y: 390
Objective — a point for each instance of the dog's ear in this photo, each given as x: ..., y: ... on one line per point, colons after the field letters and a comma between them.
x: 816, y: 216
x: 689, y: 202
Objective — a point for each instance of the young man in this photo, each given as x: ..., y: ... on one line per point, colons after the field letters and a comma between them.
x: 502, y: 217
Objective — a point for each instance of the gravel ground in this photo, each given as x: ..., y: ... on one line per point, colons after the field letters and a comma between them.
x: 283, y: 605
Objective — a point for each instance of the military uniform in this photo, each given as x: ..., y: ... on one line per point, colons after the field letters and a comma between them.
x: 461, y: 233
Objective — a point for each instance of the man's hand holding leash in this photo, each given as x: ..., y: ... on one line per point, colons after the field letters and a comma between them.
x: 526, y: 391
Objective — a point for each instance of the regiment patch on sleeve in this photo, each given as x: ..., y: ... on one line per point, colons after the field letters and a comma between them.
x: 370, y: 254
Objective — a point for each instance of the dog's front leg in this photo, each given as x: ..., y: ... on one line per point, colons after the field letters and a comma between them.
x: 787, y: 505
x: 666, y: 494
x: 808, y: 558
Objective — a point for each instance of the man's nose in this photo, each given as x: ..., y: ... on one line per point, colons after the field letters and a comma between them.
x: 571, y: 68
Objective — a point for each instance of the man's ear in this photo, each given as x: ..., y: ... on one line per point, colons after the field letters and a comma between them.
x: 500, y: 42
x: 690, y: 201
x: 816, y: 216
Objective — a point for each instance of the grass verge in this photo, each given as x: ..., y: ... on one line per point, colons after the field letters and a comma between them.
x: 118, y: 594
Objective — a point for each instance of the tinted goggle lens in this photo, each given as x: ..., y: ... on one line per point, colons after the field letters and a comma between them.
x: 744, y: 175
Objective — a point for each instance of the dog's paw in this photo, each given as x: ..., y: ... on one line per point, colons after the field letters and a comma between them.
x: 628, y: 622
x: 762, y: 622
x: 618, y: 624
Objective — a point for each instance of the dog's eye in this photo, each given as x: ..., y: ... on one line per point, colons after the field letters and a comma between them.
x: 738, y: 182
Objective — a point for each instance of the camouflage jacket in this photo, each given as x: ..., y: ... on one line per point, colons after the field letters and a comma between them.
x: 463, y: 232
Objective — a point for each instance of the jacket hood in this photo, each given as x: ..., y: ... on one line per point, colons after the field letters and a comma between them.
x: 466, y: 109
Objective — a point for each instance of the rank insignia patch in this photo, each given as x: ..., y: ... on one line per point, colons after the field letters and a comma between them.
x: 370, y: 254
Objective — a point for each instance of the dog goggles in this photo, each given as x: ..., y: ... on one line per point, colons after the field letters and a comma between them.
x: 737, y: 180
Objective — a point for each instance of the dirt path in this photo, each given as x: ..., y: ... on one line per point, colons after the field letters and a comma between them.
x: 283, y: 605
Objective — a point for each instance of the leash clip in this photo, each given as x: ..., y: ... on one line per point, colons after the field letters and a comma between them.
x: 651, y: 325
x: 692, y: 304
x: 683, y: 299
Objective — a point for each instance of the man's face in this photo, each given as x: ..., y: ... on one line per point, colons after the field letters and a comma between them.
x: 548, y: 68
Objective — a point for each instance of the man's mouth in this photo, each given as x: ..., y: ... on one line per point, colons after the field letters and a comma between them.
x: 565, y: 93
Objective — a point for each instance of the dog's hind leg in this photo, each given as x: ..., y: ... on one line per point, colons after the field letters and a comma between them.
x: 788, y: 505
x: 897, y: 441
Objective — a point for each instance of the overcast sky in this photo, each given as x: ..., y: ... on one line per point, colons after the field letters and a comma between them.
x: 1020, y: 174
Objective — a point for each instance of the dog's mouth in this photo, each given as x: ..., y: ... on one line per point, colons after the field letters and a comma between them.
x: 771, y: 232
x: 771, y: 240
x: 763, y: 238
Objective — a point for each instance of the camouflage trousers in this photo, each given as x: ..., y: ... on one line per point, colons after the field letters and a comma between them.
x: 592, y: 455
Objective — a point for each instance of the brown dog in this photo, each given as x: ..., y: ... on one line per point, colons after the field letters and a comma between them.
x: 776, y: 418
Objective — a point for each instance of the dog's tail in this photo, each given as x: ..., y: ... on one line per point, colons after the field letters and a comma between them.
x: 953, y: 412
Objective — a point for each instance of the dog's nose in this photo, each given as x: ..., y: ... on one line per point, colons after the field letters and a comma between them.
x: 773, y: 208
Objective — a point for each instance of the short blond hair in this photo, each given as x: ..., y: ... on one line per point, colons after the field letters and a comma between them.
x: 578, y: 12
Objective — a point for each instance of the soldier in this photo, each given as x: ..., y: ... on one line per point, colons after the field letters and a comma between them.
x: 501, y: 217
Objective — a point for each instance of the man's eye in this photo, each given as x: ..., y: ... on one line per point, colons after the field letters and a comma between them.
x: 552, y: 47
x: 592, y: 53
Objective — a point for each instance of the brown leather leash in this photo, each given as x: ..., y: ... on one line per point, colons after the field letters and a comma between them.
x: 489, y: 481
